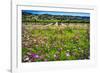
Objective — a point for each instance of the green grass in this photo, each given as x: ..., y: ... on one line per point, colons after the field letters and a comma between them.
x: 56, y: 43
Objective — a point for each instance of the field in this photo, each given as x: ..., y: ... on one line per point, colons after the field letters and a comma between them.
x: 55, y: 42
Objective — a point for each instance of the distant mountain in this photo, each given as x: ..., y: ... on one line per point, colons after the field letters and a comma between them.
x: 27, y: 16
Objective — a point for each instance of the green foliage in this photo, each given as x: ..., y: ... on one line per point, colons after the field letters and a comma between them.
x: 24, y: 51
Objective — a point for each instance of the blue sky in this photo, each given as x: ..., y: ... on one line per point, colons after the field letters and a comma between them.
x: 57, y: 13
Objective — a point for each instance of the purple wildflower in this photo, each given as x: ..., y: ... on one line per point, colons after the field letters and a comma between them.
x: 34, y: 55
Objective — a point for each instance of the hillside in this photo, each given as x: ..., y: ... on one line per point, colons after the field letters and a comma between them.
x: 48, y: 18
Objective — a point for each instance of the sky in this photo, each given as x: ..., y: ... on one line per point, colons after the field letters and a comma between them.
x: 57, y: 13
